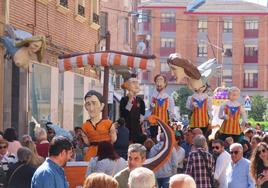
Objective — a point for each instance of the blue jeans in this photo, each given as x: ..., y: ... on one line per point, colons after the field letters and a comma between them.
x: 163, y: 182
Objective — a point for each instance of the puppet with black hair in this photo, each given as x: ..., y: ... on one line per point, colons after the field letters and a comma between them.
x: 196, y: 78
x: 132, y: 109
x: 96, y: 128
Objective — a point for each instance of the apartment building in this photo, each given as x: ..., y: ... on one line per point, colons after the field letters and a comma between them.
x: 233, y: 32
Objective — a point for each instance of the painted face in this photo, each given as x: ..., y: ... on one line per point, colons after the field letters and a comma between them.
x: 196, y: 85
x: 35, y: 46
x: 160, y: 83
x: 234, y: 95
x: 134, y: 160
x: 93, y: 106
x: 178, y: 72
x: 134, y: 87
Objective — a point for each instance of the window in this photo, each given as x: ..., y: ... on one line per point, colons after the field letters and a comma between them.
x: 228, y: 26
x: 164, y: 67
x: 95, y: 11
x: 143, y: 16
x: 251, y: 79
x: 167, y: 43
x: 168, y: 18
x: 64, y: 3
x: 251, y: 24
x: 202, y: 50
x: 202, y: 26
x: 103, y: 24
x: 228, y: 51
x: 227, y: 77
x: 126, y: 30
x: 251, y: 50
x: 80, y: 7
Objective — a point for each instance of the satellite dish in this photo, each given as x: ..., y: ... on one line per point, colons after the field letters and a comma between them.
x: 141, y: 46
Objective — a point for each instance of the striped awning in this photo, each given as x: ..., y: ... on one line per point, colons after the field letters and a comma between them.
x: 106, y: 59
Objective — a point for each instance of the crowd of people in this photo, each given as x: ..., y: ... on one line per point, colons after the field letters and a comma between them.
x: 195, y: 161
x: 122, y: 154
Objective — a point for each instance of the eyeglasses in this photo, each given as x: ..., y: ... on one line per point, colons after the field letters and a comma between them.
x: 261, y: 151
x: 3, y: 147
x: 234, y: 152
x: 215, y: 147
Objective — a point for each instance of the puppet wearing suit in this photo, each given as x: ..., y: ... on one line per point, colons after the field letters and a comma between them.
x: 132, y: 109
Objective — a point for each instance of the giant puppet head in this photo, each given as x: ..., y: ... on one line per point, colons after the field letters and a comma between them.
x: 94, y: 104
x: 132, y: 85
x: 234, y: 94
x: 196, y: 77
x: 25, y: 51
x: 160, y: 82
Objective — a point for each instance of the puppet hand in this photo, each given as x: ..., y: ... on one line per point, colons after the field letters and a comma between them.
x: 195, y: 104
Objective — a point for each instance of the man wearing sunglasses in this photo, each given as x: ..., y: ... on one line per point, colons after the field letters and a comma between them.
x: 222, y: 162
x: 238, y: 170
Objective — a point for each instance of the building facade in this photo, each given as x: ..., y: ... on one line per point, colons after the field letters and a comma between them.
x: 42, y: 93
x: 233, y: 32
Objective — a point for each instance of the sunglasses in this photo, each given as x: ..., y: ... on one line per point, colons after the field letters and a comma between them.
x: 261, y: 151
x: 215, y: 147
x: 3, y: 147
x: 234, y: 152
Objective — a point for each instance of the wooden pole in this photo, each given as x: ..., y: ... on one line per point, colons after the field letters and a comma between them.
x: 106, y: 80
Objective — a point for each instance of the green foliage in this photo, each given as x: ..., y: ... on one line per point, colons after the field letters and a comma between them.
x: 180, y: 97
x: 264, y: 124
x: 258, y: 107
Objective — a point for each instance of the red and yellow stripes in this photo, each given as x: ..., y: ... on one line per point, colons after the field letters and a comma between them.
x: 105, y: 59
x: 199, y: 118
x: 231, y: 125
x: 161, y: 111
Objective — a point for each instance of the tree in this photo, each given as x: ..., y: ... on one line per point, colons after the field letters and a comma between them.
x: 180, y: 97
x: 258, y: 107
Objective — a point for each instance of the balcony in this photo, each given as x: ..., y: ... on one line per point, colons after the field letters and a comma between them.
x: 251, y: 59
x: 168, y: 27
x: 251, y: 33
x: 166, y: 51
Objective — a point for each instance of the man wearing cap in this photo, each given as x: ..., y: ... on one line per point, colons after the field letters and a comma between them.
x: 95, y: 128
x: 132, y: 109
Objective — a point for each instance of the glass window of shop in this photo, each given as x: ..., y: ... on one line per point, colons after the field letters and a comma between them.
x: 78, y: 100
x: 40, y: 92
x: 60, y: 98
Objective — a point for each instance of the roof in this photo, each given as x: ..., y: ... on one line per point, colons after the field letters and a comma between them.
x: 231, y: 6
x: 164, y: 3
x: 210, y: 6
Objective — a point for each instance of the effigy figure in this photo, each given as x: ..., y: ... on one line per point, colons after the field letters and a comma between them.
x: 132, y: 109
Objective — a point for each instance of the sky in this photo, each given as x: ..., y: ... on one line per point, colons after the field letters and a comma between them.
x: 261, y: 2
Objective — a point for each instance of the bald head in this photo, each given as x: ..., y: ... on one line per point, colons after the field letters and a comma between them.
x: 182, y: 181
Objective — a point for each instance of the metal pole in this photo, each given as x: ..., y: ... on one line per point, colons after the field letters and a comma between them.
x: 106, y: 80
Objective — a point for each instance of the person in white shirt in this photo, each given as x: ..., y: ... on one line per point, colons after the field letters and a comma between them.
x: 222, y: 162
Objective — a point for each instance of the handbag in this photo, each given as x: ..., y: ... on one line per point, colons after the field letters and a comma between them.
x: 214, y: 183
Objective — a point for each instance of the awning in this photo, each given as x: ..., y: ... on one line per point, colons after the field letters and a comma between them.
x: 110, y: 59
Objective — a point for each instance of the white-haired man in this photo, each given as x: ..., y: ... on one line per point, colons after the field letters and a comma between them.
x: 237, y: 172
x: 182, y: 181
x: 141, y: 178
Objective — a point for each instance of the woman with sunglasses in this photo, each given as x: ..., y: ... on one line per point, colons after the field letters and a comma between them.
x: 259, y: 165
